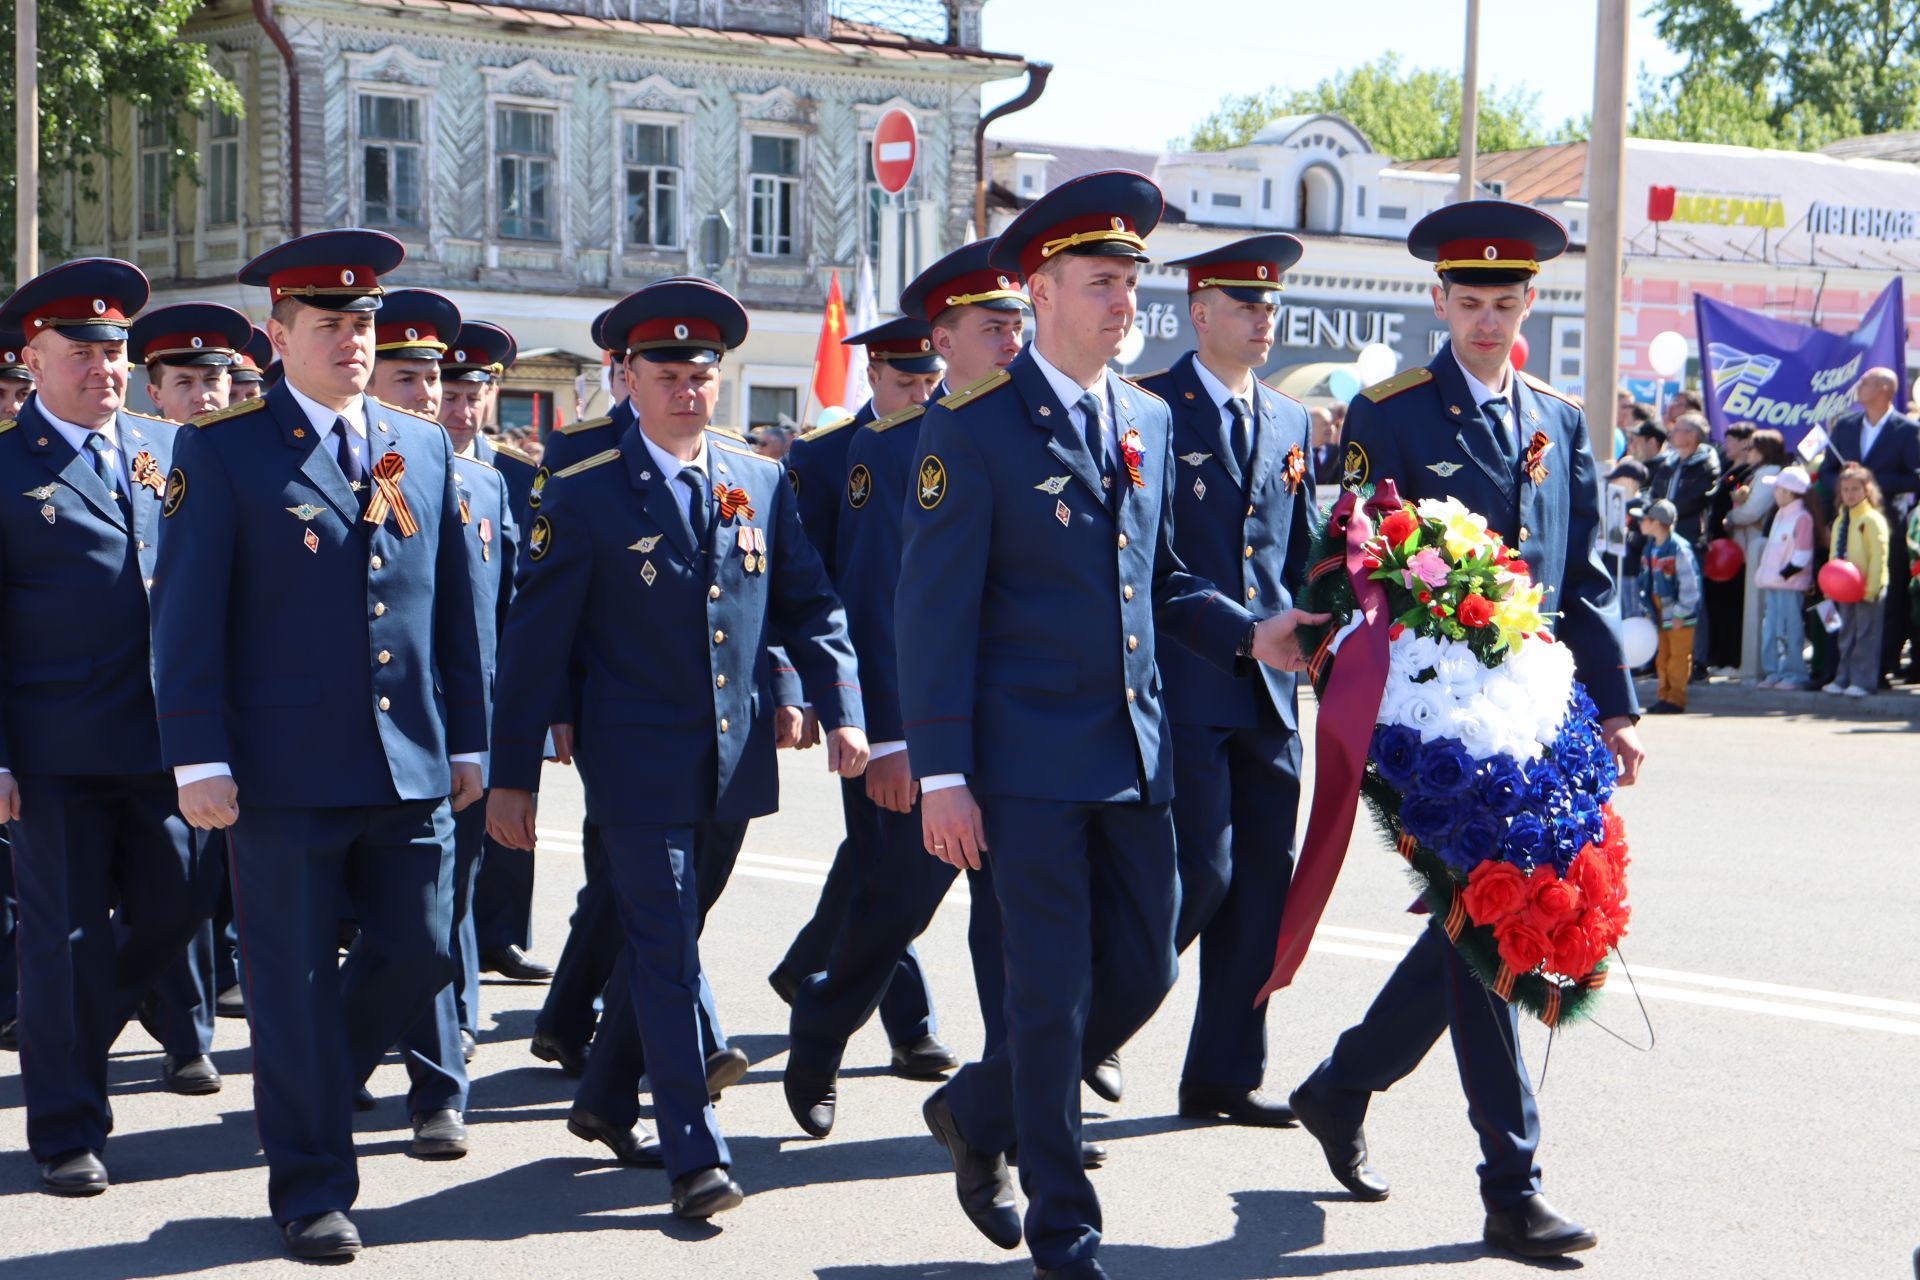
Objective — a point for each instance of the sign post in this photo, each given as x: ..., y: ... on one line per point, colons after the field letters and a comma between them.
x: 896, y: 153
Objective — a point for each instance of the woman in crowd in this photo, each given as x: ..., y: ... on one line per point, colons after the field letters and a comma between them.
x: 1749, y: 518
x: 1782, y: 573
x: 1860, y: 535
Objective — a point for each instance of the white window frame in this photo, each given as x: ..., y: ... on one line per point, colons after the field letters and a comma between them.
x: 208, y: 142
x: 683, y: 125
x: 1558, y: 328
x: 799, y: 136
x: 794, y: 378
x: 356, y: 168
x: 557, y: 181
x: 143, y: 234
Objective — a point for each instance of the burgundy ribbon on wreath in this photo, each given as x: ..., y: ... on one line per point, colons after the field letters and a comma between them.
x: 1349, y: 701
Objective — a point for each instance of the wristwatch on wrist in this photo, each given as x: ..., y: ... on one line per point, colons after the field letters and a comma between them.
x: 1245, y: 649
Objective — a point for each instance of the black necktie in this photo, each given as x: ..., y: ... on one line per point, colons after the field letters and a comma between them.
x: 343, y: 450
x: 1089, y: 406
x: 1497, y: 410
x: 697, y: 521
x: 1242, y: 432
x: 103, y: 467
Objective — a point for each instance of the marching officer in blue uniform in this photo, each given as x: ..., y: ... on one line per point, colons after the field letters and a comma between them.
x: 973, y: 317
x: 321, y: 698
x: 1038, y: 569
x: 903, y: 370
x: 249, y: 369
x: 410, y: 335
x: 188, y: 352
x: 16, y: 384
x: 108, y: 881
x: 470, y: 376
x: 1242, y: 504
x: 16, y: 379
x: 1514, y: 450
x: 663, y: 564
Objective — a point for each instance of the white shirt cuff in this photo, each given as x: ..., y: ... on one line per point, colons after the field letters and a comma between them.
x: 879, y: 749
x: 941, y: 781
x: 466, y: 757
x: 185, y: 775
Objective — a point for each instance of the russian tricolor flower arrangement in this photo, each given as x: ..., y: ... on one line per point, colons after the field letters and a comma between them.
x: 1446, y: 703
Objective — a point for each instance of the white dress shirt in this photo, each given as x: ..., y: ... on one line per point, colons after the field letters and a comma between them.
x: 1221, y: 394
x: 671, y: 467
x: 1870, y: 432
x: 77, y: 437
x: 1482, y: 393
x: 322, y: 419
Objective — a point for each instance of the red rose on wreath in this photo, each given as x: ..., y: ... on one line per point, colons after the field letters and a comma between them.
x: 1398, y: 527
x: 1495, y: 890
x: 1573, y: 950
x: 1522, y: 946
x: 1591, y: 875
x: 1475, y: 611
x: 1553, y: 901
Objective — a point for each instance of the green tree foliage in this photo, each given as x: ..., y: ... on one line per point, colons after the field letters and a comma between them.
x: 94, y: 53
x: 1789, y: 73
x: 1410, y: 113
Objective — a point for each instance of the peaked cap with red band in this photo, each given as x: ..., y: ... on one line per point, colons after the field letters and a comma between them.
x: 88, y: 300
x: 481, y: 353
x: 331, y: 270
x: 681, y: 320
x: 251, y: 361
x: 1487, y: 241
x: 964, y: 278
x: 415, y: 324
x: 1248, y: 269
x: 1105, y: 214
x: 904, y: 343
x: 13, y: 365
x: 189, y: 333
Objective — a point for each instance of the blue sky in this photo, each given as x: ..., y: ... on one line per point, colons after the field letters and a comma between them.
x: 1120, y: 81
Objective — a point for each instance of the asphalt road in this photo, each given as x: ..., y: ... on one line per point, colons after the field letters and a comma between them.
x: 1770, y: 1131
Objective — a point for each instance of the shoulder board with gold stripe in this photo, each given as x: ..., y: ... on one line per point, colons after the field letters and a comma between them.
x: 897, y: 417
x: 147, y: 417
x: 587, y: 464
x: 231, y: 411
x: 745, y: 453
x: 1405, y: 380
x: 478, y: 462
x: 1277, y: 391
x: 827, y: 429
x: 1546, y: 388
x: 508, y: 451
x: 1145, y: 391
x: 6, y: 425
x: 585, y: 424
x: 1140, y: 378
x: 729, y: 433
x: 397, y: 409
x: 973, y: 391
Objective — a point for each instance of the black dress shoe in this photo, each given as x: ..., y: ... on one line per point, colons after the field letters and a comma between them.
x: 784, y: 985
x: 924, y: 1059
x: 322, y: 1235
x: 1237, y: 1106
x: 724, y: 1069
x: 512, y: 962
x: 1535, y: 1229
x: 1345, y: 1148
x: 1104, y: 1079
x: 10, y: 1034
x: 195, y: 1075
x: 980, y: 1179
x: 635, y: 1146
x: 467, y: 1046
x: 231, y: 1003
x: 363, y: 1099
x: 439, y: 1135
x: 703, y: 1194
x: 570, y: 1058
x: 77, y: 1173
x: 812, y: 1096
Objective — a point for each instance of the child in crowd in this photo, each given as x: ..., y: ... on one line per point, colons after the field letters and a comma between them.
x: 1783, y: 574
x: 1672, y: 597
x: 1860, y: 534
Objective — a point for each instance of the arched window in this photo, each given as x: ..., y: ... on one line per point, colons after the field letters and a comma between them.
x: 1317, y: 199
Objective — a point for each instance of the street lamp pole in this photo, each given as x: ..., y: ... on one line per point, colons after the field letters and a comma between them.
x: 1606, y: 216
x: 1470, y: 103
x: 26, y: 87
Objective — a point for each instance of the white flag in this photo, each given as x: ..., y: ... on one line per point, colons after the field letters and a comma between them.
x: 866, y: 314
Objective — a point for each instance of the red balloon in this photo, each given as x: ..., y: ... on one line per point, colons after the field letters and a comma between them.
x: 1842, y: 582
x: 1725, y: 559
x: 1518, y: 356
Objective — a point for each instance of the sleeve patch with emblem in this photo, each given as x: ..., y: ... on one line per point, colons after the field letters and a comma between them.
x: 176, y: 492
x: 859, y: 486
x: 933, y: 482
x: 1356, y: 467
x: 541, y: 540
x: 540, y: 479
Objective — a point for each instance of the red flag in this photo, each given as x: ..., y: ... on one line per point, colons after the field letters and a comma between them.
x: 830, y: 358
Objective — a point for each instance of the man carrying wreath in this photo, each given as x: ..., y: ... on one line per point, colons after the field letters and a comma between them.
x: 1514, y: 452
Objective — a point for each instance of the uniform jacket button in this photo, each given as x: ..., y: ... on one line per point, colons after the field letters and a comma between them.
x: 723, y: 724
x: 713, y: 593
x: 1246, y: 553
x: 386, y: 656
x: 379, y: 609
x: 1129, y: 695
x: 719, y: 637
x: 1123, y: 542
x: 374, y: 563
x: 386, y: 704
x: 1251, y: 593
x: 1524, y: 535
x: 1126, y: 592
x: 1133, y: 642
x: 719, y: 682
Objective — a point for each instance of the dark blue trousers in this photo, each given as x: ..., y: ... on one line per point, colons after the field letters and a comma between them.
x: 1236, y: 800
x: 184, y: 996
x: 319, y: 1024
x: 503, y: 898
x: 90, y: 853
x: 1432, y: 991
x: 658, y: 991
x: 590, y: 954
x: 906, y: 1006
x: 436, y: 1065
x: 897, y: 887
x: 9, y: 956
x: 1088, y: 893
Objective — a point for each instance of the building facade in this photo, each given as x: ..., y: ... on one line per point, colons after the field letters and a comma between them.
x: 543, y: 160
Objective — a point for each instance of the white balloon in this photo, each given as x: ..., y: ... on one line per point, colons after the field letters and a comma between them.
x: 1639, y: 641
x: 1375, y: 363
x: 829, y: 415
x: 1132, y: 345
x: 1667, y: 353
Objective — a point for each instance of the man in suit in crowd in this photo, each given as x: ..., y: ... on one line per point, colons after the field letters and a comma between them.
x: 1887, y: 443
